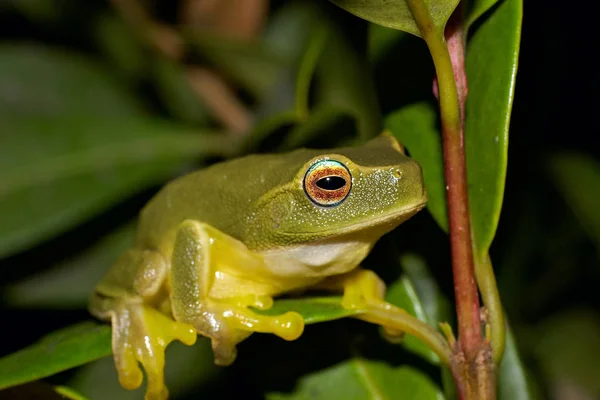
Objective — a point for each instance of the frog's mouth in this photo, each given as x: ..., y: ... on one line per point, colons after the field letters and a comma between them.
x: 385, y: 222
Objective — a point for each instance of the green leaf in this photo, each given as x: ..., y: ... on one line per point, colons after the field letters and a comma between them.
x: 475, y: 9
x: 80, y: 273
x: 436, y: 305
x: 491, y: 63
x: 577, y: 178
x: 418, y: 293
x: 56, y: 172
x: 345, y: 83
x: 402, y: 294
x: 567, y: 348
x: 396, y: 13
x: 44, y: 80
x: 512, y: 376
x: 415, y: 127
x: 312, y: 309
x: 359, y: 379
x: 59, y: 351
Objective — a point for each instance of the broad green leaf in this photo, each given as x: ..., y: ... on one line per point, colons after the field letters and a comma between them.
x: 48, y: 81
x: 418, y: 293
x: 415, y: 127
x: 491, y: 63
x: 476, y: 8
x: 345, y: 83
x: 80, y: 273
x: 254, y: 66
x: 396, y: 13
x: 512, y: 376
x: 436, y: 305
x: 402, y: 294
x: 577, y: 178
x: 56, y: 172
x: 59, y: 351
x: 312, y: 309
x: 567, y: 348
x: 359, y: 379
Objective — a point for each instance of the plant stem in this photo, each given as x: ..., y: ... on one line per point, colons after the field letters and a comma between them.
x: 451, y: 110
x: 491, y: 298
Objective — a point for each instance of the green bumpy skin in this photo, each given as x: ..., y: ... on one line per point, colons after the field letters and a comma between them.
x: 212, y: 244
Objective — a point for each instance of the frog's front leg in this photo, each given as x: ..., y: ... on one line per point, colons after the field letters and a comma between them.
x: 200, y: 252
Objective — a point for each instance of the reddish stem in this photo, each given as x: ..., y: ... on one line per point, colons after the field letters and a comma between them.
x: 465, y: 287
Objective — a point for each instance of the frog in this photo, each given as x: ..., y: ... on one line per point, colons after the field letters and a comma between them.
x: 216, y: 246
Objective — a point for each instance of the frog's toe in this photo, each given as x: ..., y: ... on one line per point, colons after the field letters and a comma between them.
x: 156, y: 390
x: 262, y: 302
x: 288, y: 326
x: 224, y: 352
x: 130, y: 375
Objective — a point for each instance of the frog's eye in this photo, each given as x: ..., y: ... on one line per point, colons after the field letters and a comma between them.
x: 327, y: 183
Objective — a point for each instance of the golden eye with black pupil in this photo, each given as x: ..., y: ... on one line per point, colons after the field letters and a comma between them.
x: 327, y: 183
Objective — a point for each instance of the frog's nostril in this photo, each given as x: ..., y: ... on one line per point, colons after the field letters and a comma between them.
x: 397, y: 174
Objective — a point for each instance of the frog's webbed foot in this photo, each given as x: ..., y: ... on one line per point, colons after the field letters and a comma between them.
x: 363, y: 289
x: 199, y: 248
x: 140, y: 335
x: 227, y: 325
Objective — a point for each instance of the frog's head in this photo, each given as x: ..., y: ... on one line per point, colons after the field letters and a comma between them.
x: 364, y: 191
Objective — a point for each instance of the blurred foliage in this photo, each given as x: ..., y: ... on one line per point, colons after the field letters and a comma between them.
x: 102, y: 102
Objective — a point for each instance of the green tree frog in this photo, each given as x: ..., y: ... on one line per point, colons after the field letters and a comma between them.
x: 216, y: 243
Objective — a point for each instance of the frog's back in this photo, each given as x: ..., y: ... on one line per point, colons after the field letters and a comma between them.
x: 221, y: 195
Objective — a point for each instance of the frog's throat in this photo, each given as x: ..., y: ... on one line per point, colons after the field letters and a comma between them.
x: 337, y: 253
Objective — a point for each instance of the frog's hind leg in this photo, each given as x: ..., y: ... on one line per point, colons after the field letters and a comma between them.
x: 198, y: 251
x: 140, y: 333
x: 362, y: 289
